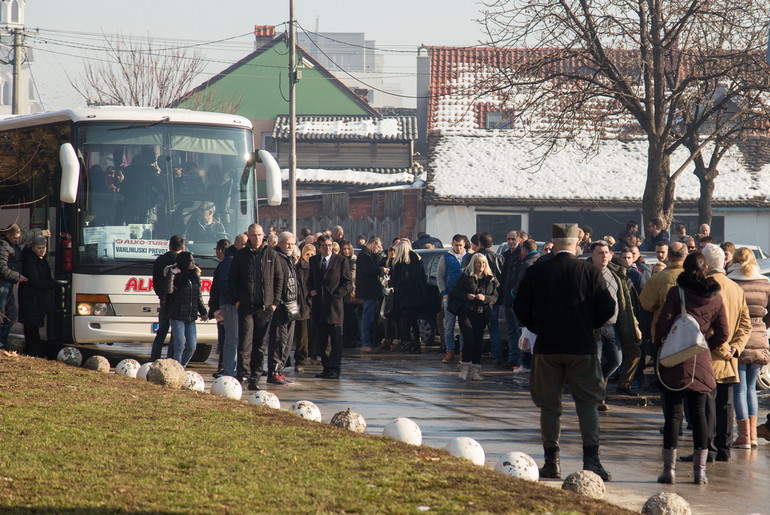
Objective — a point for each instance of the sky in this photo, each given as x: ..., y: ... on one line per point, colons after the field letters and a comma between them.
x: 69, y: 30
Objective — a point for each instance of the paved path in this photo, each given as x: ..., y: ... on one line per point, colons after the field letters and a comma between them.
x: 499, y: 414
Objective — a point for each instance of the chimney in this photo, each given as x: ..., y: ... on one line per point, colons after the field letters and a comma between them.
x: 263, y: 34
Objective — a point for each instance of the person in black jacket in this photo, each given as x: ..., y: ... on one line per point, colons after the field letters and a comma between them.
x: 35, y: 295
x: 175, y: 246
x: 303, y: 327
x: 563, y: 300
x: 282, y: 324
x: 330, y: 281
x: 183, y: 287
x: 256, y: 284
x: 407, y: 278
x: 472, y: 298
x: 495, y: 266
x: 369, y: 288
x: 11, y: 240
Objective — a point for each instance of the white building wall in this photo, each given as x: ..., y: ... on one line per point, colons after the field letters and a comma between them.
x: 443, y: 222
x: 750, y: 227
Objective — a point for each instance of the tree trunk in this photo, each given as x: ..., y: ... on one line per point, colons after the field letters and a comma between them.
x: 658, y: 199
x: 706, y: 180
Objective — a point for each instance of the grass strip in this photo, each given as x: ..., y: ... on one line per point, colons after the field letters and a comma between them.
x: 74, y: 440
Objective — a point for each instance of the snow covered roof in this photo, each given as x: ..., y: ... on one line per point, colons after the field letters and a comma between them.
x: 365, y: 177
x: 358, y: 128
x: 500, y: 167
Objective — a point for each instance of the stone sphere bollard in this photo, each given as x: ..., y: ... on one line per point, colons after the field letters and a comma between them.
x: 70, y: 356
x: 15, y: 345
x: 167, y: 372
x: 127, y: 367
x: 467, y: 448
x: 404, y: 430
x: 306, y: 410
x: 227, y: 387
x: 193, y: 381
x: 518, y: 464
x: 265, y: 398
x: 350, y: 420
x: 666, y: 503
x: 585, y: 482
x: 141, y: 374
x: 98, y: 363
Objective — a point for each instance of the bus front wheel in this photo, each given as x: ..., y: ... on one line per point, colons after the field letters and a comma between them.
x: 202, y: 353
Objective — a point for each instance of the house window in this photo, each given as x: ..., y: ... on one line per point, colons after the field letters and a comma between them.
x: 497, y: 120
x: 498, y: 225
x: 268, y: 143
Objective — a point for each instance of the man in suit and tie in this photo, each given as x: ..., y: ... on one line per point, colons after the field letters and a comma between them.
x: 330, y: 281
x: 563, y: 301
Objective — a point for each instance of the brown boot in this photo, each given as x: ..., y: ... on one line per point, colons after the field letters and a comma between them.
x: 450, y: 357
x: 753, y: 430
x: 744, y: 439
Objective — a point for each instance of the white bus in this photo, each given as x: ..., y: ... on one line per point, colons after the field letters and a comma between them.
x: 113, y: 184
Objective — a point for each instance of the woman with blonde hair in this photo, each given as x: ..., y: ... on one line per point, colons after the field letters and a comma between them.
x: 407, y: 278
x: 744, y: 270
x: 471, y: 300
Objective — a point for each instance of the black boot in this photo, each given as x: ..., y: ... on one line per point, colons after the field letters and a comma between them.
x: 591, y: 462
x: 552, y: 466
x: 668, y: 477
x: 699, y: 466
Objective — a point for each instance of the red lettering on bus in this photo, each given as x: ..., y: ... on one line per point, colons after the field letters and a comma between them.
x: 206, y: 285
x: 138, y: 284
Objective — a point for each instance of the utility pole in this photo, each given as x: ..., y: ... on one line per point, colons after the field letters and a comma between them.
x: 292, y: 119
x: 17, y: 47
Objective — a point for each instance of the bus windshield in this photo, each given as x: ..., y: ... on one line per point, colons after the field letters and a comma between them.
x: 147, y: 182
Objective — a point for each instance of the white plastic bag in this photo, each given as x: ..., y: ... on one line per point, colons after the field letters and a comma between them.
x: 527, y: 340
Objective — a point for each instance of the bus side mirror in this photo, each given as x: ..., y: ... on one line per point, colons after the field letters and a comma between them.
x: 272, y: 178
x: 70, y: 173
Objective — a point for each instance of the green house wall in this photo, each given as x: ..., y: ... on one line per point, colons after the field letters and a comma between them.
x: 261, y: 84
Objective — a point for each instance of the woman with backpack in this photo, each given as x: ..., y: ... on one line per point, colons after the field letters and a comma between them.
x: 693, y: 378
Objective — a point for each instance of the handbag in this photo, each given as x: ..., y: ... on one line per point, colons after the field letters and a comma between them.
x: 292, y: 310
x: 684, y: 340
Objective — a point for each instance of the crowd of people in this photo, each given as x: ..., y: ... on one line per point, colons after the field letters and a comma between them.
x: 578, y: 311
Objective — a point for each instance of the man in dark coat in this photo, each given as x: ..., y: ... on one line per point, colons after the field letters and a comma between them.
x: 11, y: 240
x: 256, y: 284
x: 368, y: 288
x: 330, y: 281
x: 563, y: 300
x: 282, y: 325
x: 36, y: 295
x: 175, y: 246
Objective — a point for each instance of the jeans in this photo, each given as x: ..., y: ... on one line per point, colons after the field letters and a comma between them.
x: 230, y: 346
x: 494, y: 335
x: 368, y: 318
x: 745, y: 392
x: 514, y: 332
x: 449, y: 329
x: 185, y: 340
x: 608, y: 350
x: 8, y: 309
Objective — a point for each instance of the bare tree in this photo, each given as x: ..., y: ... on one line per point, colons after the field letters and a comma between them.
x: 207, y: 99
x: 135, y: 72
x: 625, y: 66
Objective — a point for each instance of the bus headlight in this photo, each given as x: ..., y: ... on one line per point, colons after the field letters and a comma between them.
x: 100, y: 309
x: 96, y: 305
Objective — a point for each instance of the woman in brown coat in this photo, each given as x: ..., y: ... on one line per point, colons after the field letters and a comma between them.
x: 745, y: 271
x: 693, y: 378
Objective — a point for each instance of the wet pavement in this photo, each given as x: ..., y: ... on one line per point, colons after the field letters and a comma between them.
x: 499, y: 414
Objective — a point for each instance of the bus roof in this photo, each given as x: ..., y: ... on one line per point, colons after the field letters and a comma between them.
x: 123, y: 114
